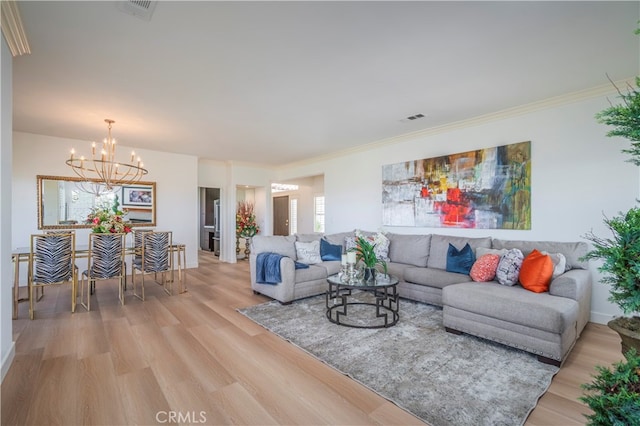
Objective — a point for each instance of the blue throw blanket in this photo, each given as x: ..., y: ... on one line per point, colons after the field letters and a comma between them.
x: 268, y: 268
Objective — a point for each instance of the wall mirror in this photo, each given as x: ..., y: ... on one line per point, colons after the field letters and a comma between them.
x: 63, y: 203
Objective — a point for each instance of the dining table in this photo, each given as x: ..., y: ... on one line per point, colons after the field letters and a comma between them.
x: 21, y: 255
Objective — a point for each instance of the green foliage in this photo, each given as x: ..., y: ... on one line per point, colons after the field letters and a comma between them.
x: 621, y: 259
x: 116, y: 206
x: 365, y: 251
x: 614, y: 394
x: 625, y: 119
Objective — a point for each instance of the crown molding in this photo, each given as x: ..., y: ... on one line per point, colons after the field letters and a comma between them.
x: 13, y: 29
x: 594, y: 92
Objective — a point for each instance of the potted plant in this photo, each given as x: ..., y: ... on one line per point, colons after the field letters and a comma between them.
x: 614, y: 394
x: 621, y: 270
x: 365, y: 252
x: 621, y: 252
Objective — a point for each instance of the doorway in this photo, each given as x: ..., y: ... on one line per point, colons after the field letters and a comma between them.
x: 210, y: 220
x: 281, y: 215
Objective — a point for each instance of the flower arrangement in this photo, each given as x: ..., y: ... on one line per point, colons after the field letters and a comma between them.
x: 108, y: 220
x: 246, y: 225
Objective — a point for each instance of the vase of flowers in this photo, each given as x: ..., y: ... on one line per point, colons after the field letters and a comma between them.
x: 246, y: 225
x: 106, y: 220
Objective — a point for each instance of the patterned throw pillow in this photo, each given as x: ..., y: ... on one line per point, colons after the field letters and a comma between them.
x: 485, y: 268
x: 308, y: 253
x: 509, y: 267
x: 380, y: 240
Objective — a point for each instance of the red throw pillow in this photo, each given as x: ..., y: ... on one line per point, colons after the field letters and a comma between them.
x: 484, y: 269
x: 536, y: 272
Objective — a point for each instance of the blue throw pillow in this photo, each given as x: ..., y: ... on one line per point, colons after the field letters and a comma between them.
x: 330, y: 251
x: 460, y: 261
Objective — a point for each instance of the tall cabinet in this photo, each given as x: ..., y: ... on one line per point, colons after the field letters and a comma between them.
x: 210, y: 219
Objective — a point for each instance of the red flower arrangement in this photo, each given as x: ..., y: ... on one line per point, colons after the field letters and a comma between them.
x: 246, y: 225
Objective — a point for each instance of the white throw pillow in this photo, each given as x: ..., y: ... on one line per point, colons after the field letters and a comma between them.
x: 559, y: 263
x: 308, y: 253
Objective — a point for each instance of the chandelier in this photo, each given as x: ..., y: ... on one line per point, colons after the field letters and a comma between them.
x: 102, y: 173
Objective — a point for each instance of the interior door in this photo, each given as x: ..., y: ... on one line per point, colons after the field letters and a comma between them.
x: 281, y: 215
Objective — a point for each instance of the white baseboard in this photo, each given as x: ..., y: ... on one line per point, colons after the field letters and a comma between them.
x: 8, y: 359
x: 600, y: 318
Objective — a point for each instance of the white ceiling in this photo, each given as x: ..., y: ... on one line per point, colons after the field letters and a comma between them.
x: 279, y: 82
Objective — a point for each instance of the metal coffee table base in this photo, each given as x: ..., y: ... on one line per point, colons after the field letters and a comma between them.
x: 386, y: 305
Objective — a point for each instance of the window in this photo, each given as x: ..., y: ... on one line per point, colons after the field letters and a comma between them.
x: 293, y: 217
x: 318, y: 213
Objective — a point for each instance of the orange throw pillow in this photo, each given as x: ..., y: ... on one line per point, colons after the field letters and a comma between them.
x: 536, y: 272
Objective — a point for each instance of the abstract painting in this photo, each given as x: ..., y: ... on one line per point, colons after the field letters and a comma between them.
x: 486, y: 189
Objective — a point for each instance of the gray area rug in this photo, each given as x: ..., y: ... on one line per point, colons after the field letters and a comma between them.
x: 442, y: 378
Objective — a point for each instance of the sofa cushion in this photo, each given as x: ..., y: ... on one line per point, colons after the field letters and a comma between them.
x: 481, y: 251
x: 434, y: 277
x: 397, y: 269
x: 536, y: 272
x: 275, y: 244
x: 338, y: 238
x: 331, y: 266
x: 308, y: 253
x: 330, y: 251
x: 460, y: 261
x: 306, y: 238
x: 572, y: 251
x: 312, y: 273
x: 509, y: 267
x: 484, y: 269
x: 440, y: 246
x: 514, y: 304
x: 409, y: 249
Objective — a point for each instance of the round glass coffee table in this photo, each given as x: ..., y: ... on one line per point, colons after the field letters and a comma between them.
x: 363, y: 305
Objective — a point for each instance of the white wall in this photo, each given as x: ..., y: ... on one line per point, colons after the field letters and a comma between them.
x: 176, y: 178
x: 236, y: 175
x: 7, y: 346
x: 577, y: 175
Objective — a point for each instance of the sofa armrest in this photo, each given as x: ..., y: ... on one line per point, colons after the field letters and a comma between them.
x: 283, y: 291
x: 288, y: 271
x: 573, y: 284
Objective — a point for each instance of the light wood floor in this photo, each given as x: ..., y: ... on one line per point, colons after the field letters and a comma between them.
x: 193, y: 354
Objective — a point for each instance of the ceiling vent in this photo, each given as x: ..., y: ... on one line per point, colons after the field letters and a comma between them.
x: 412, y: 118
x: 142, y: 9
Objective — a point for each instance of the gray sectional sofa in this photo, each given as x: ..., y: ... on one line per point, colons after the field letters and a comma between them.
x: 546, y: 324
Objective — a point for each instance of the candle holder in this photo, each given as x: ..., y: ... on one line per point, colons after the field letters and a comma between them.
x: 351, y: 273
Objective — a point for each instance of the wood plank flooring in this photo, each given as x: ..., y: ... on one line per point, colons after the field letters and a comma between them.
x: 192, y: 359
